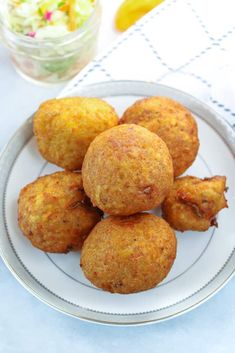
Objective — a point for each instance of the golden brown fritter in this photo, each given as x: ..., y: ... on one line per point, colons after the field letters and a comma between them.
x: 129, y: 254
x: 193, y: 203
x: 55, y: 214
x: 172, y: 122
x: 64, y: 128
x: 127, y: 169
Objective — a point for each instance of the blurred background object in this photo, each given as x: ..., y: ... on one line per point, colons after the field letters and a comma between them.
x: 131, y: 11
x: 50, y: 41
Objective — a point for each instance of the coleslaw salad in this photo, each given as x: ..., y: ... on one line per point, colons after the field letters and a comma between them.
x: 47, y: 44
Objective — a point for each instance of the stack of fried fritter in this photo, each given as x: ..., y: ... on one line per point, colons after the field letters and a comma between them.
x: 125, y: 169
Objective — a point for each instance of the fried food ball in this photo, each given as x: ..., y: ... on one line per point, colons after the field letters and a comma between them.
x: 170, y: 121
x: 55, y: 214
x: 129, y: 254
x: 126, y: 170
x: 64, y: 128
x: 193, y: 203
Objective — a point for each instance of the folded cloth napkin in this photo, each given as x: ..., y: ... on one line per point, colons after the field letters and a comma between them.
x: 189, y: 45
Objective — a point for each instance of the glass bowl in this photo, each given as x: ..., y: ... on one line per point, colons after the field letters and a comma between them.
x: 52, y: 60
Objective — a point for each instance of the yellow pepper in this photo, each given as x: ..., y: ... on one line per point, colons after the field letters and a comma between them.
x: 132, y: 10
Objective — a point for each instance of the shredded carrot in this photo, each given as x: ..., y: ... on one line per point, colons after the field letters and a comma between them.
x: 72, y: 15
x: 64, y: 8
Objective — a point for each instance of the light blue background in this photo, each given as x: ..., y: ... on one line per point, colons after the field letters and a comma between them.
x: 29, y: 326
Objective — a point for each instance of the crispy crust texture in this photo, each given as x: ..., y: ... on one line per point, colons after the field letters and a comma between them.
x: 129, y: 254
x: 193, y: 203
x: 55, y: 214
x: 64, y: 128
x: 172, y: 122
x: 126, y: 170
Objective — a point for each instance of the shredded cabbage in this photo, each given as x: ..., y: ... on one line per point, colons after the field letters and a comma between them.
x: 48, y: 18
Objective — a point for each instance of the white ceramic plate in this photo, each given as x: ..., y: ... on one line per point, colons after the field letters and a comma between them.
x: 205, y: 261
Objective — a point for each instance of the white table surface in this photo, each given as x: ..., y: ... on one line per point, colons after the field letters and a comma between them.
x: 27, y: 325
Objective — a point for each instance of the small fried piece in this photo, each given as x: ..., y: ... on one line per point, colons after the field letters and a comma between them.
x: 193, y: 203
x: 55, y: 214
x: 170, y: 121
x: 129, y: 254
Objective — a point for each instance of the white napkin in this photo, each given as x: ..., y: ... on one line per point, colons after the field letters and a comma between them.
x: 189, y: 45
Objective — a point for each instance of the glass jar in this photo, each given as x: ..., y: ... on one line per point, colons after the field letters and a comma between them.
x: 52, y: 60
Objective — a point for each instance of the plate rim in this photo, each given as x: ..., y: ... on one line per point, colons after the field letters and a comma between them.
x: 80, y: 90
